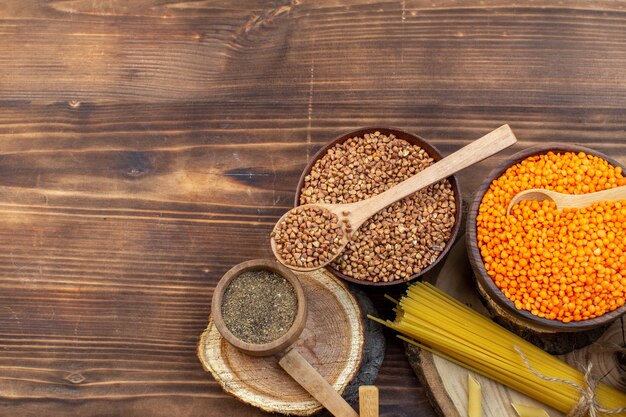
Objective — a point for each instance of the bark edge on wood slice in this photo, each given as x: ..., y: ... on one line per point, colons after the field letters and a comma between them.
x: 333, y: 342
x: 446, y: 382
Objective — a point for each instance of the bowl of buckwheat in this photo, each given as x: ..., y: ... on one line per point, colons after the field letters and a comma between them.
x: 403, y: 241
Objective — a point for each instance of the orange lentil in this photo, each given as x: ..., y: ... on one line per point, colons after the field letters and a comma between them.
x: 565, y: 265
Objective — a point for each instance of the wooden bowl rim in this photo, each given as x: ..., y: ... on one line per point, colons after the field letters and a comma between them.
x: 479, y: 267
x: 414, y: 139
x: 260, y: 349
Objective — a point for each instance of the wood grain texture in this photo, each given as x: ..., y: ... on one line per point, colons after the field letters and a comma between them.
x: 368, y: 401
x: 148, y: 146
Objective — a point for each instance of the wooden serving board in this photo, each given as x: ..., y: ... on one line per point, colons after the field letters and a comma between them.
x: 333, y: 342
x: 446, y: 382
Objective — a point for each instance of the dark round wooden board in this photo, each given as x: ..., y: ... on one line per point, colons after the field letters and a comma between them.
x: 446, y: 383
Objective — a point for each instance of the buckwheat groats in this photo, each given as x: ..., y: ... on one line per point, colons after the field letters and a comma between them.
x: 308, y: 237
x: 402, y: 239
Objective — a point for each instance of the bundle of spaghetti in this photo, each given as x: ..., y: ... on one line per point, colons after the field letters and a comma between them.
x: 440, y: 324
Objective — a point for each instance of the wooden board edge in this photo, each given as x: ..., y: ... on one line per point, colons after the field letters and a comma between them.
x: 424, y: 368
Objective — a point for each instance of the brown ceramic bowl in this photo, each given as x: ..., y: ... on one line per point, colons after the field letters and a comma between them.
x: 412, y: 139
x: 488, y: 289
x: 283, y: 341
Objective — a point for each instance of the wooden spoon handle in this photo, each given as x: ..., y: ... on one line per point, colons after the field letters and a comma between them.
x: 305, y: 375
x: 585, y: 200
x: 476, y: 151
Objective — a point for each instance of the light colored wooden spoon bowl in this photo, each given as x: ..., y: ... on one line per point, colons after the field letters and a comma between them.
x: 563, y: 201
x: 353, y: 215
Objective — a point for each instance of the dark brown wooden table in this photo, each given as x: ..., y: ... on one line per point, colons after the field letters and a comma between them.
x: 148, y: 146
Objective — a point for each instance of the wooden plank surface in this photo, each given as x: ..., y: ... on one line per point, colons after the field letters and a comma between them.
x: 148, y: 146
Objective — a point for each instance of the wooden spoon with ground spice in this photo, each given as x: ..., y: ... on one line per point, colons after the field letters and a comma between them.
x: 310, y: 236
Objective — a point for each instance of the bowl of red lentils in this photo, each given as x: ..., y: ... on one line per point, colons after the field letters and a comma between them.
x: 552, y: 270
x: 403, y: 241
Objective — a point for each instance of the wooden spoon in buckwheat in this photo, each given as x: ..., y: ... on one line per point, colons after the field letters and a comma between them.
x: 310, y: 236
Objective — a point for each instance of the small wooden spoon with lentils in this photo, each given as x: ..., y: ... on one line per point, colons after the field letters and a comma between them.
x: 310, y: 236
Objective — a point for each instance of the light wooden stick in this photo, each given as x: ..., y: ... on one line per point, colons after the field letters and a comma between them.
x: 476, y: 151
x: 368, y: 401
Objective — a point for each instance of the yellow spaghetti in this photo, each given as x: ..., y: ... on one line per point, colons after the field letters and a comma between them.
x: 441, y: 325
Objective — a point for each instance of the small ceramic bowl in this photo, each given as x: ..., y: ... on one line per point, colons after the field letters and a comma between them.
x: 414, y: 140
x: 283, y: 341
x: 488, y: 289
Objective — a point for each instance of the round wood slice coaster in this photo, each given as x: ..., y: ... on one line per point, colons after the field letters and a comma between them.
x: 446, y: 382
x: 333, y: 342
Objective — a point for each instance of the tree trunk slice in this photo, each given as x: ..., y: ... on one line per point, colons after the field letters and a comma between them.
x: 446, y: 382
x: 332, y: 341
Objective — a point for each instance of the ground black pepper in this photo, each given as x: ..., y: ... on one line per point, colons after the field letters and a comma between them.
x: 259, y: 306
